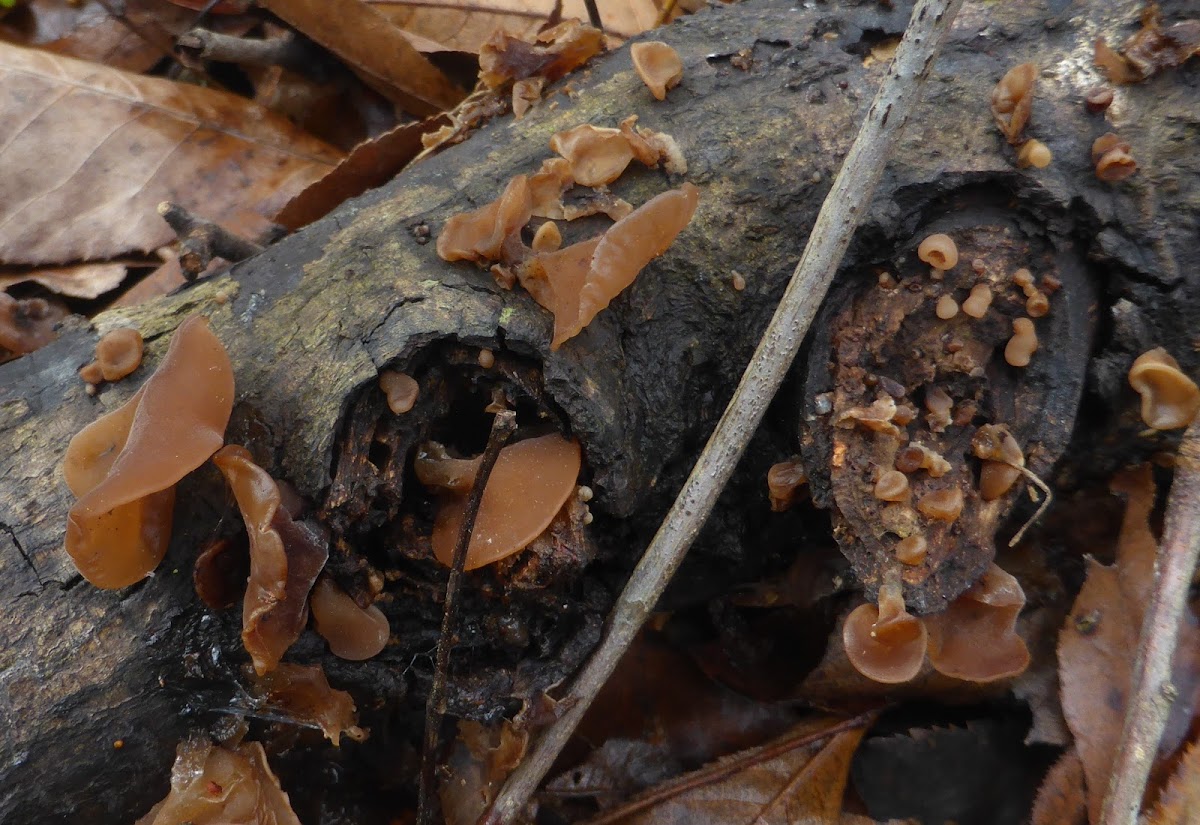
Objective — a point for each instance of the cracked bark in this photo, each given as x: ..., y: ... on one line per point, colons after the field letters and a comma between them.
x: 314, y: 317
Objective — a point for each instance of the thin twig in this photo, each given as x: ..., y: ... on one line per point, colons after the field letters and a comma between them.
x: 593, y: 14
x: 200, y: 241
x: 839, y: 216
x: 289, y: 51
x: 503, y: 426
x: 1047, y: 497
x: 1152, y: 695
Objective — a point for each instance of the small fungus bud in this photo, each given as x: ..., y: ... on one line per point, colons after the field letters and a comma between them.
x: 1037, y: 305
x: 782, y: 481
x: 1022, y: 278
x: 939, y: 403
x: 1012, y: 101
x: 912, y: 550
x: 978, y: 302
x: 118, y: 353
x: 1170, y: 400
x: 548, y: 238
x: 939, y: 251
x: 1034, y: 153
x: 946, y: 308
x: 978, y: 266
x: 739, y: 281
x: 91, y: 373
x: 943, y: 505
x: 487, y: 359
x: 401, y: 390
x: 1098, y: 99
x: 916, y: 457
x: 353, y: 633
x: 1023, y: 344
x: 891, y: 486
x: 658, y: 65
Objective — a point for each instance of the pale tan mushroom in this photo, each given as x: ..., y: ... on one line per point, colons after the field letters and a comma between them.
x: 658, y: 65
x: 939, y: 251
x: 1170, y: 400
x: 884, y: 643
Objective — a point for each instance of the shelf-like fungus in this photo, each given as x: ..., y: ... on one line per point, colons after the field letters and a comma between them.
x: 1024, y: 343
x: 883, y: 642
x: 975, y: 638
x: 939, y: 251
x: 123, y: 467
x: 285, y: 559
x: 1170, y: 400
x: 597, y: 155
x: 481, y: 235
x: 353, y: 633
x: 400, y: 390
x: 529, y: 484
x: 305, y: 695
x: 1012, y: 101
x: 658, y: 65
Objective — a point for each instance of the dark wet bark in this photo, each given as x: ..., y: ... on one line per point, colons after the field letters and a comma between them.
x: 313, y: 318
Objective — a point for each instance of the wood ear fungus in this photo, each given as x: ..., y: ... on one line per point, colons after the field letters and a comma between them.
x: 353, y: 633
x: 1170, y: 400
x: 883, y: 642
x: 975, y: 639
x: 658, y: 65
x: 1012, y: 101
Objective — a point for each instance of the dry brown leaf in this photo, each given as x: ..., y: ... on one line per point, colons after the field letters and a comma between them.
x: 1180, y: 801
x: 797, y: 779
x: 372, y: 163
x: 466, y: 24
x: 375, y: 48
x: 79, y: 281
x: 91, y: 151
x: 1097, y: 644
x: 1061, y: 800
x: 162, y: 281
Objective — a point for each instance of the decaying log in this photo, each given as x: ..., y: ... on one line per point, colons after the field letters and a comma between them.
x: 311, y: 321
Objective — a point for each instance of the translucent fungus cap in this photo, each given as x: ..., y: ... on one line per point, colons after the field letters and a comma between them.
x: 658, y: 65
x: 480, y: 235
x: 883, y: 642
x: 1170, y: 400
x: 975, y: 638
x: 123, y: 467
x: 353, y: 633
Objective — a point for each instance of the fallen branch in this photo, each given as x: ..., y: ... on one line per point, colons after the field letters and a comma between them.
x: 1152, y: 695
x: 503, y: 426
x: 200, y: 241
x: 835, y: 225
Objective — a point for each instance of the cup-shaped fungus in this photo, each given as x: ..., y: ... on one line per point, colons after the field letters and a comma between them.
x: 353, y: 633
x: 481, y: 235
x: 916, y: 457
x: 939, y: 251
x: 1034, y: 153
x: 1012, y: 101
x: 975, y: 638
x: 1170, y: 399
x: 598, y: 155
x: 892, y: 485
x: 943, y: 505
x: 118, y: 353
x: 1024, y: 343
x: 1001, y: 456
x: 1098, y: 98
x: 123, y: 467
x: 529, y: 484
x: 1112, y: 158
x: 883, y: 642
x: 658, y: 65
x: 911, y: 550
x: 619, y: 255
x: 783, y: 479
x: 285, y: 560
x: 946, y: 307
x: 401, y: 390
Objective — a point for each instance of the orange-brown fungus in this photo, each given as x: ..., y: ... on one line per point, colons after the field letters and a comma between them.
x: 304, y: 694
x: 525, y: 93
x: 1023, y: 278
x: 783, y: 479
x: 946, y: 307
x: 939, y: 251
x: 1037, y: 305
x: 597, y: 155
x: 658, y: 65
x: 481, y: 235
x: 978, y: 301
x: 438, y: 470
x: 285, y: 559
x: 1001, y: 456
x: 940, y: 406
x: 548, y: 238
x: 1012, y: 101
x: 556, y: 52
x: 28, y: 324
x: 885, y: 643
x: 1170, y: 400
x: 1024, y: 343
x: 1034, y: 153
x: 352, y: 633
x: 530, y: 483
x: 1098, y: 99
x: 891, y: 486
x: 912, y: 550
x: 916, y: 457
x: 401, y: 390
x: 214, y: 785
x: 878, y: 416
x: 975, y: 639
x: 943, y: 505
x: 123, y: 467
x: 617, y: 258
x: 1112, y: 158
x: 1149, y: 50
x: 119, y: 353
